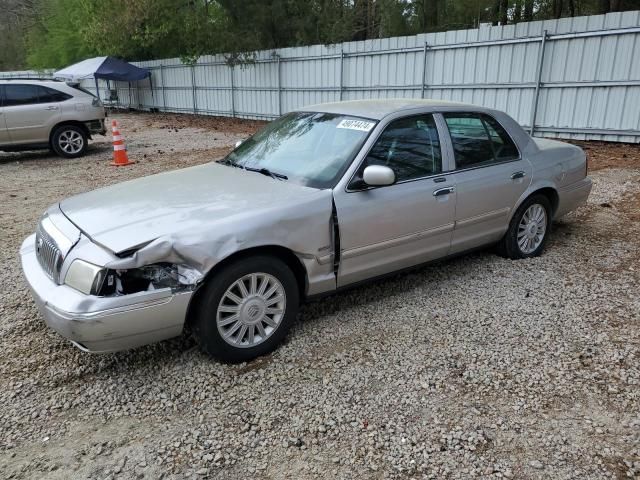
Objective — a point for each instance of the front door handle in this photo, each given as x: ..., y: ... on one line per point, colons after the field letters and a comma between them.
x: 443, y: 191
x: 51, y: 108
x: 516, y: 175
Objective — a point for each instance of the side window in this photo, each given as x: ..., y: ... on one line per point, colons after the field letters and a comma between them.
x: 20, y: 95
x: 478, y: 140
x: 49, y: 95
x: 410, y: 147
x: 503, y: 146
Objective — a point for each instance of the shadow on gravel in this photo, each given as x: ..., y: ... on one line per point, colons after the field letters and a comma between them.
x: 47, y: 155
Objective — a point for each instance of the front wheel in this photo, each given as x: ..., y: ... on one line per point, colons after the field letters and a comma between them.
x: 246, y: 309
x: 528, y: 230
x: 69, y: 141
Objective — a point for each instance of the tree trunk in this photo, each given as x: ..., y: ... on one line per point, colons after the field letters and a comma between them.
x: 603, y: 6
x: 572, y: 8
x: 517, y: 11
x: 616, y: 6
x: 495, y: 12
x: 528, y: 10
x: 504, y: 5
x: 557, y: 8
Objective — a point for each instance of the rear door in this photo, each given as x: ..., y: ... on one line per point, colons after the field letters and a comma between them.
x: 30, y: 112
x: 384, y: 229
x: 490, y: 177
x: 4, y: 135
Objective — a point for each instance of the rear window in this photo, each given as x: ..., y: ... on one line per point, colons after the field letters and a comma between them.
x: 479, y: 140
x: 81, y: 89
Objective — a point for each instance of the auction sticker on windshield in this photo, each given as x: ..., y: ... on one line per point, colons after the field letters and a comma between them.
x: 361, y: 125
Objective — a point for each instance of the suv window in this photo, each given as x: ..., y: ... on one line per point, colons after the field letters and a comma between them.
x: 49, y: 95
x: 20, y: 95
x: 17, y: 94
x: 478, y: 140
x: 410, y: 147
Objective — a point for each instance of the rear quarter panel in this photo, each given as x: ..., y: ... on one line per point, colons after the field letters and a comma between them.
x: 560, y: 166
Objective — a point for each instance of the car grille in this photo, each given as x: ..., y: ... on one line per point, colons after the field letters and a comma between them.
x: 48, y: 254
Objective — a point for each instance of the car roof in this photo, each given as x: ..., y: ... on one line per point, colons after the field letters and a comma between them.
x: 380, y: 108
x: 31, y: 81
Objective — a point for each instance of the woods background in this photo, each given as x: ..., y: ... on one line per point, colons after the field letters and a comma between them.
x: 54, y: 33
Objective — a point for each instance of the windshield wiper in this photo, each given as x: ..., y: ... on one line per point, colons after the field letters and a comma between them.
x: 267, y: 172
x: 225, y: 161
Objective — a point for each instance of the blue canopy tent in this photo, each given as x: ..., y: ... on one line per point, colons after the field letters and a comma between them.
x: 105, y: 68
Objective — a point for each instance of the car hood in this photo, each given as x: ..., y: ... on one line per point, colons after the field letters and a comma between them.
x: 133, y: 213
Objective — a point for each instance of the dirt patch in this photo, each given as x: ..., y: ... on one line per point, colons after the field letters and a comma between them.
x: 610, y: 155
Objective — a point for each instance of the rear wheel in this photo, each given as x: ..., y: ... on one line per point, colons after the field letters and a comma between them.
x: 528, y: 230
x: 246, y: 309
x: 69, y: 141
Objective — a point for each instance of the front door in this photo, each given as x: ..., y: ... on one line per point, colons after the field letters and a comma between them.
x: 490, y: 177
x: 29, y: 113
x: 383, y: 229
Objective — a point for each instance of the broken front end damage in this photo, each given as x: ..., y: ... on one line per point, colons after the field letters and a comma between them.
x: 176, y: 278
x: 106, y: 323
x: 182, y: 260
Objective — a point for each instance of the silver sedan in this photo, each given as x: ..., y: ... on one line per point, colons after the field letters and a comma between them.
x: 319, y: 200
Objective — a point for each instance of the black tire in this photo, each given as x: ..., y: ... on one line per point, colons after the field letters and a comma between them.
x: 508, y: 247
x: 204, y: 325
x: 61, y: 144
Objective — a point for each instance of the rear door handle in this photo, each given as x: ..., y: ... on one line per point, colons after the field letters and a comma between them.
x: 443, y: 191
x: 516, y: 175
x: 51, y: 108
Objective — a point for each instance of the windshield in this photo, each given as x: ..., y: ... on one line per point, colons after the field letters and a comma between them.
x: 311, y: 148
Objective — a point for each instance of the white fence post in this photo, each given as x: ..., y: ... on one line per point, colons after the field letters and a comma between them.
x: 233, y: 100
x: 279, y: 89
x: 536, y: 94
x: 193, y: 88
x: 341, y: 71
x: 424, y: 69
x: 164, y: 99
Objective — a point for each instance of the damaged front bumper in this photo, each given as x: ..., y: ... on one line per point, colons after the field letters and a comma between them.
x: 104, y: 324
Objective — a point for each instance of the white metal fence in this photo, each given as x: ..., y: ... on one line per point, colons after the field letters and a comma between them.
x: 574, y: 78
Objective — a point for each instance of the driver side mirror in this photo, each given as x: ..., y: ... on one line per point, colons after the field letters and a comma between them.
x: 378, y: 176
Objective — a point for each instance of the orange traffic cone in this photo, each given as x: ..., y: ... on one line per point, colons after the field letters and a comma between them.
x: 120, y: 158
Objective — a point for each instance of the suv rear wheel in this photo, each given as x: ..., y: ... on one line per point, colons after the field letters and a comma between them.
x: 69, y: 141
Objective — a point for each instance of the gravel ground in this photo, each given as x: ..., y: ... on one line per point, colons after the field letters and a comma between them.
x: 477, y: 367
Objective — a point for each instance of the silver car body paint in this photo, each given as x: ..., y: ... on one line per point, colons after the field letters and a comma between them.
x: 199, y: 216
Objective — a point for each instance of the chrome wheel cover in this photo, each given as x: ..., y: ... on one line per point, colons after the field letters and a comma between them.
x: 70, y: 141
x: 532, y: 228
x: 251, y: 310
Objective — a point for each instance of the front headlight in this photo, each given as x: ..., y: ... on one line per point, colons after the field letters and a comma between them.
x: 85, y: 277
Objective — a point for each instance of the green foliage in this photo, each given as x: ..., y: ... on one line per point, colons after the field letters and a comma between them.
x: 56, y: 39
x: 61, y: 32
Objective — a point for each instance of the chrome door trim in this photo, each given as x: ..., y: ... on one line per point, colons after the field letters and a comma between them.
x: 434, y: 176
x: 483, y: 217
x: 394, y: 242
